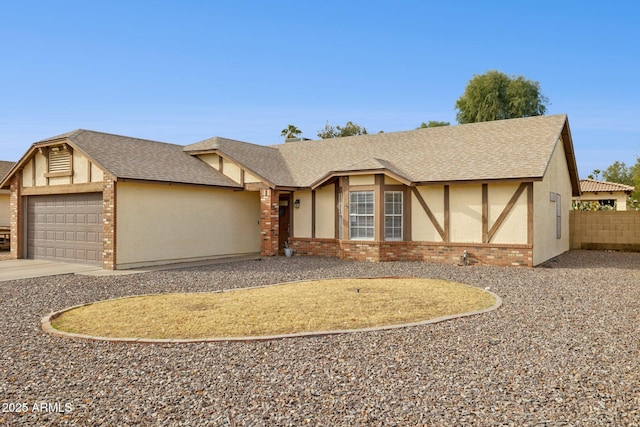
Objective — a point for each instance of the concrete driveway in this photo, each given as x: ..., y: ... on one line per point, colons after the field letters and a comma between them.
x: 25, y: 268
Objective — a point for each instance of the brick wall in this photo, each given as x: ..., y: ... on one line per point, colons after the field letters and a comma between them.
x: 109, y: 203
x: 16, y: 212
x: 449, y: 253
x: 269, y: 222
x: 612, y: 230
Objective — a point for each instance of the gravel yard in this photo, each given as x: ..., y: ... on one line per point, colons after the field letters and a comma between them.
x: 564, y: 349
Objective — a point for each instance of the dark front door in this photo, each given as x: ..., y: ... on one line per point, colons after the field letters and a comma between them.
x: 284, y: 214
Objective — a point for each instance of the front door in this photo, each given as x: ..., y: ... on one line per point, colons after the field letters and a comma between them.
x: 284, y: 214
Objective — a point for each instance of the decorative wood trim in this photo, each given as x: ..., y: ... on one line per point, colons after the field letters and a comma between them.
x: 255, y: 186
x: 406, y: 217
x: 447, y: 215
x: 345, y: 208
x: 336, y: 225
x: 485, y: 213
x: 530, y: 213
x: 313, y: 214
x: 378, y: 208
x: 425, y: 207
x: 507, y: 209
x: 89, y: 187
x: 89, y: 167
x: 58, y: 174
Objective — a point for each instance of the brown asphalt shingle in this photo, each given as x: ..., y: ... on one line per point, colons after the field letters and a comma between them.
x: 134, y: 158
x: 5, y: 167
x: 497, y: 150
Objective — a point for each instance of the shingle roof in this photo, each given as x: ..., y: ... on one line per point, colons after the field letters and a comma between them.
x: 134, y: 158
x: 497, y: 150
x: 593, y: 186
x: 266, y: 162
x: 5, y: 167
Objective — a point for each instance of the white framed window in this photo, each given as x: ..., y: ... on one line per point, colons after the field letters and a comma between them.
x: 393, y: 215
x: 361, y: 215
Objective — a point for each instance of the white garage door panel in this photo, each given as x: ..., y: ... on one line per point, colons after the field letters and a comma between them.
x: 65, y: 227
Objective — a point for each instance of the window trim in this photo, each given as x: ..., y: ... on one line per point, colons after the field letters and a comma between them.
x: 371, y: 215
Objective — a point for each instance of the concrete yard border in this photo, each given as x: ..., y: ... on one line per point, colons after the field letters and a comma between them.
x: 46, y: 324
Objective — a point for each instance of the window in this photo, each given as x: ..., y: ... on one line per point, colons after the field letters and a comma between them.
x: 361, y: 223
x: 393, y: 215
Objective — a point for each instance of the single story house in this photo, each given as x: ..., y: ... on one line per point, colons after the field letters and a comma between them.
x: 498, y: 191
x: 605, y: 193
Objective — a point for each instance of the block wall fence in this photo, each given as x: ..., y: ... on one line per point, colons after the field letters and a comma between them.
x: 605, y: 230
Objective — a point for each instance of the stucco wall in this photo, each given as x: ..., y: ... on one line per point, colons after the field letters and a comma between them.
x: 231, y: 170
x: 514, y: 228
x: 556, y: 180
x: 466, y: 213
x: 302, y: 215
x: 326, y: 212
x: 361, y: 180
x: 421, y: 227
x: 5, y: 217
x: 161, y: 223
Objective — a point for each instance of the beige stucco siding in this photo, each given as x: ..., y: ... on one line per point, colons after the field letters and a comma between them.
x: 212, y: 160
x: 514, y: 228
x: 361, y: 180
x: 81, y: 168
x: 326, y: 212
x: 96, y: 174
x: 422, y: 228
x: 556, y: 180
x: 231, y: 170
x: 27, y: 174
x: 162, y: 223
x: 249, y: 177
x: 390, y: 181
x: 302, y: 215
x: 41, y: 168
x: 465, y: 202
x: 5, y: 216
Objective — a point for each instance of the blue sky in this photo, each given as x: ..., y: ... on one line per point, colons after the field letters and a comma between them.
x: 184, y: 71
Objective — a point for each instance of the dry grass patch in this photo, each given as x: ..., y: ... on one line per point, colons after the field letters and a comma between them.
x: 321, y: 305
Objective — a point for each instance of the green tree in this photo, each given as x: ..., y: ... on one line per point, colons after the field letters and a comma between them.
x: 595, y: 174
x: 349, y: 129
x: 619, y: 173
x: 496, y: 96
x: 291, y: 131
x: 432, y: 124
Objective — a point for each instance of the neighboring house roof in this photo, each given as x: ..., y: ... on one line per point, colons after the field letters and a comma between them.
x: 140, y: 159
x: 496, y: 150
x: 593, y: 186
x: 5, y: 167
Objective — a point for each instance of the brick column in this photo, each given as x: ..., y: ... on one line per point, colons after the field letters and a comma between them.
x: 109, y: 223
x: 16, y: 209
x: 269, y: 222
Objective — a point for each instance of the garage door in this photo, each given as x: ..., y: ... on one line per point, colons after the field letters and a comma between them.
x: 65, y: 227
